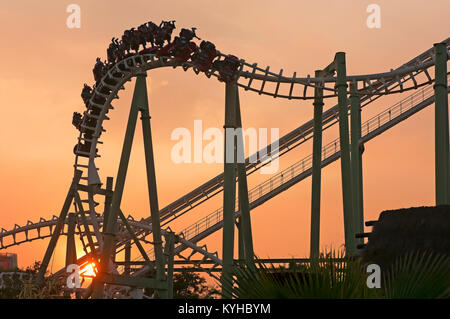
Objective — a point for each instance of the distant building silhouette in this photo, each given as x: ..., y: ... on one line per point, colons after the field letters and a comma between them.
x: 8, y: 261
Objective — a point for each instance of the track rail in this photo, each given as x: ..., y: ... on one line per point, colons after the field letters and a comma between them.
x: 289, y: 142
x: 371, y: 85
x: 303, y: 168
x: 123, y: 71
x: 257, y: 195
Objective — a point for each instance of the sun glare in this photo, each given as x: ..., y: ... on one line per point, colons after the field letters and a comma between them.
x: 89, y: 270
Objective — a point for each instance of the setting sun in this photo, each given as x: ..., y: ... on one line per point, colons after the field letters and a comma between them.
x: 89, y: 271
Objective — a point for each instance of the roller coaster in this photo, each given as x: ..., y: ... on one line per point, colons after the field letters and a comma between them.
x: 104, y: 230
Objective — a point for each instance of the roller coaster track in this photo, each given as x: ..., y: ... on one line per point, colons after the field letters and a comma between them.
x: 397, y: 81
x: 257, y: 195
x: 299, y: 135
x: 185, y: 203
x: 250, y: 77
x: 303, y: 168
x: 123, y: 71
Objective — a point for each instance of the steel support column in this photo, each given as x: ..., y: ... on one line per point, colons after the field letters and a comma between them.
x: 442, y: 158
x: 107, y: 208
x: 245, y: 224
x: 241, y: 247
x: 169, y: 252
x: 151, y: 182
x: 108, y: 199
x: 347, y: 191
x: 356, y: 163
x: 110, y: 228
x: 71, y: 252
x: 316, y: 175
x: 229, y: 192
x: 127, y: 258
x: 58, y: 228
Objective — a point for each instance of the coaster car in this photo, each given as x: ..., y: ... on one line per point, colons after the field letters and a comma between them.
x: 77, y: 120
x: 227, y: 68
x: 203, y: 58
x: 150, y: 50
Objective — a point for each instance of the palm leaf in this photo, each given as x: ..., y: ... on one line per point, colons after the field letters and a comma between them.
x: 334, y: 277
x: 418, y: 275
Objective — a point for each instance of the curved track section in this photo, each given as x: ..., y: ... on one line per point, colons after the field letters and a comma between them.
x: 108, y: 87
x: 247, y: 77
x: 294, y: 138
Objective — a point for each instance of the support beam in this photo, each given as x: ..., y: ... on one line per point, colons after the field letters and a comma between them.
x: 245, y: 224
x: 133, y: 236
x: 316, y: 174
x: 241, y: 248
x: 127, y: 270
x: 168, y: 251
x: 58, y: 228
x: 347, y: 191
x: 82, y: 216
x: 229, y: 192
x: 110, y: 228
x: 356, y: 163
x: 108, y: 199
x: 151, y: 181
x: 442, y: 158
x: 71, y: 252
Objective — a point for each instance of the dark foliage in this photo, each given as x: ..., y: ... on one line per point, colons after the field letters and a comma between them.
x: 190, y: 285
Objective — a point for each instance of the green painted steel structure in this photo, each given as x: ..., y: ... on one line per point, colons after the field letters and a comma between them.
x: 235, y: 171
x: 245, y: 224
x: 346, y: 173
x: 169, y: 257
x: 234, y: 167
x: 316, y: 174
x: 58, y: 228
x: 151, y: 182
x: 229, y: 192
x: 442, y: 157
x: 71, y: 251
x: 139, y: 103
x: 356, y: 163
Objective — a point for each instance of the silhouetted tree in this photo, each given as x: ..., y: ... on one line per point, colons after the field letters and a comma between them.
x: 190, y: 285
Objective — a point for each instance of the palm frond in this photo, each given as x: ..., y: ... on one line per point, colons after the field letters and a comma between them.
x: 418, y: 275
x: 335, y: 276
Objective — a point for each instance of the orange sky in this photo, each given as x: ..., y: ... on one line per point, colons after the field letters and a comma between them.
x: 44, y: 65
